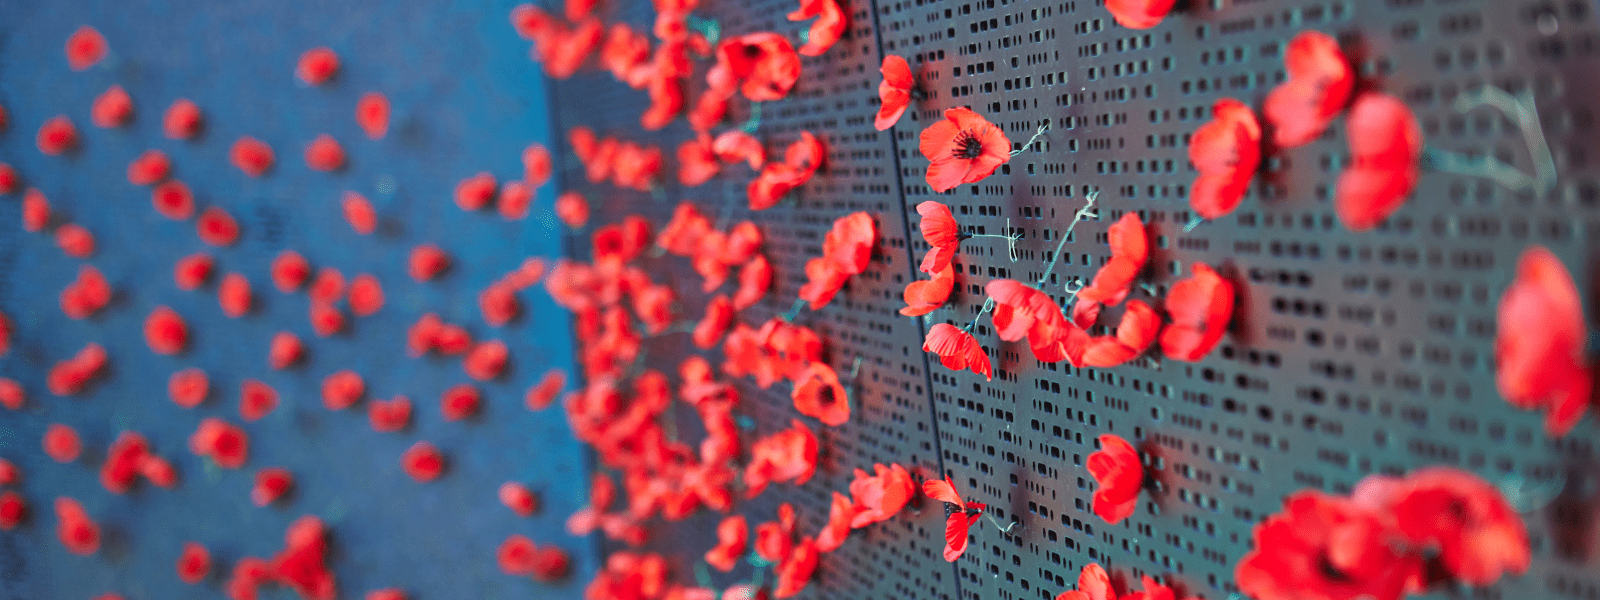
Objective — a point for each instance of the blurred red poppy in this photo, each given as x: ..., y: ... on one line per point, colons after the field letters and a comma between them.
x: 1200, y: 307
x: 75, y: 240
x: 763, y: 65
x: 573, y: 209
x: 182, y: 120
x: 475, y: 192
x: 426, y: 262
x: 1386, y: 150
x: 734, y: 145
x: 1130, y: 248
x: 111, y: 108
x: 894, y: 92
x: 12, y: 510
x: 957, y: 349
x: 486, y: 360
x: 358, y: 213
x: 85, y: 48
x: 224, y: 442
x: 1319, y: 85
x: 317, y: 65
x: 217, y: 228
x: 824, y: 32
x: 795, y: 571
x: 1118, y: 476
x: 1226, y: 151
x: 173, y: 200
x: 271, y: 484
x: 544, y: 392
x: 1139, y: 14
x: 158, y: 471
x: 818, y: 393
x: 1326, y: 547
x: 251, y: 155
x: 518, y: 498
x: 325, y: 154
x: 959, y: 515
x: 697, y: 163
x: 149, y: 168
x: 56, y: 136
x: 188, y: 387
x: 422, y: 462
x: 1135, y: 333
x: 1095, y: 584
x: 1464, y: 520
x: 372, y: 114
x: 342, y: 389
x: 233, y: 295
x: 164, y: 331
x: 879, y: 497
x: 391, y: 415
x: 76, y: 530
x: 459, y: 402
x: 194, y: 564
x: 121, y: 469
x: 366, y: 295
x: 71, y: 375
x: 732, y: 536
x: 86, y: 295
x: 9, y: 179
x: 962, y: 148
x: 256, y: 400
x: 1541, y: 342
x: 789, y: 455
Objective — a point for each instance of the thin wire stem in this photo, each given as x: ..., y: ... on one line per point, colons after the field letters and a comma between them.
x: 1076, y: 218
x: 754, y: 121
x: 1525, y: 112
x: 794, y: 311
x: 1042, y: 128
x: 988, y: 304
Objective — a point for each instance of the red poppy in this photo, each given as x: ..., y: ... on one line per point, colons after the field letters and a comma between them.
x: 1323, y: 546
x: 486, y: 360
x: 926, y: 295
x: 76, y: 530
x: 1130, y: 248
x: 1024, y: 311
x: 544, y: 392
x: 459, y: 402
x: 475, y: 192
x: 248, y: 574
x: 12, y: 510
x: 824, y: 32
x: 567, y: 50
x: 1540, y: 347
x: 1094, y: 584
x: 846, y: 251
x: 366, y: 295
x: 666, y: 100
x: 271, y: 484
x: 742, y: 243
x: 1200, y: 307
x: 182, y: 120
x: 894, y: 92
x: 452, y: 340
x: 573, y: 209
x: 324, y: 154
x: 697, y: 163
x: 224, y: 442
x: 165, y: 331
x: 518, y: 498
x: 962, y: 148
x: 56, y: 136
x: 1319, y: 85
x: 834, y: 531
x: 217, y: 228
x: 372, y: 114
x: 85, y: 48
x: 516, y: 555
x: 682, y: 234
x: 531, y: 22
x: 35, y: 211
x: 1118, y: 476
x: 149, y: 168
x: 290, y: 271
x: 879, y: 497
x: 391, y: 415
x: 191, y: 271
x: 233, y: 294
x: 515, y: 200
x: 735, y: 145
x: 302, y: 564
x: 775, y: 539
x: 173, y: 200
x: 251, y: 155
x: 112, y: 108
x: 194, y: 564
x: 317, y: 65
x: 426, y: 262
x: 359, y: 214
x: 188, y: 387
x: 74, y: 240
x: 498, y: 303
x: 763, y: 65
x: 387, y: 594
x: 121, y: 469
x: 732, y: 536
x: 719, y: 317
x: 86, y: 295
x: 1136, y: 331
x: 8, y: 179
x: 818, y: 393
x: 329, y: 285
x: 625, y: 54
x: 1476, y: 534
x: 158, y: 471
x: 9, y: 474
x: 957, y: 349
x: 1226, y: 151
x: 653, y: 304
x: 795, y: 571
x: 960, y: 515
x: 636, y: 167
x: 1386, y: 147
x: 943, y: 234
x: 422, y: 462
x: 69, y: 376
x: 788, y: 455
x: 1139, y: 14
x: 256, y: 400
x: 342, y: 389
x: 326, y: 320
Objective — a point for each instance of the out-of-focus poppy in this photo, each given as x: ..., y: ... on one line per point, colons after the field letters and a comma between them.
x: 256, y: 400
x: 1319, y: 84
x: 846, y: 251
x: 925, y: 295
x: 71, y: 375
x: 775, y: 539
x: 194, y: 563
x: 217, y: 228
x: 697, y: 164
x: 372, y: 114
x: 516, y: 555
x: 252, y: 156
x: 149, y: 168
x: 192, y: 270
x: 719, y: 317
x: 366, y: 295
x: 795, y: 571
x: 121, y: 469
x: 732, y: 536
x: 573, y: 209
x: 755, y: 277
x: 518, y: 498
x: 302, y: 563
x: 957, y: 349
x: 459, y: 402
x: 271, y: 484
x: 325, y: 154
x: 182, y: 120
x: 1226, y: 151
x: 1386, y: 147
x: 962, y: 148
x: 1541, y: 342
x: 86, y: 295
x: 516, y: 198
x: 224, y: 442
x: 1475, y: 532
x: 894, y: 92
x: 1139, y: 14
x: 35, y: 211
x: 734, y: 145
x: 422, y: 462
x: 486, y: 360
x: 75, y: 240
x: 12, y: 510
x: 1130, y: 248
x: 544, y: 392
x: 285, y: 350
x: 1136, y: 331
x: 173, y: 200
x: 824, y: 32
x: 1119, y: 476
x: 763, y: 64
x: 1200, y: 307
x: 475, y: 192
x: 8, y: 179
x: 960, y: 513
x: 342, y: 389
x: 818, y: 393
x: 390, y: 415
x: 358, y: 213
x: 158, y: 471
x: 188, y: 387
x: 289, y: 271
x: 426, y: 262
x: 788, y: 455
x: 75, y: 529
x: 164, y: 331
x: 233, y: 295
x: 56, y: 136
x: 111, y: 108
x: 85, y: 48
x: 834, y: 531
x: 879, y: 497
x: 317, y: 65
x: 1323, y: 546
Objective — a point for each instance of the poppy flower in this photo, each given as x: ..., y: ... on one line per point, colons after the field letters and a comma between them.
x: 962, y: 148
x: 62, y: 443
x: 358, y: 213
x: 1319, y: 84
x: 1130, y: 249
x: 573, y: 209
x: 926, y: 295
x: 735, y: 145
x: 328, y: 287
x: 837, y: 527
x: 271, y: 484
x: 158, y: 471
x: 76, y: 530
x: 256, y: 400
x: 1135, y: 333
x: 719, y: 317
x: 732, y: 536
x: 1386, y: 150
x: 1465, y: 521
x: 56, y: 136
x: 755, y: 277
x: 486, y: 360
x: 1226, y: 151
x: 234, y: 295
x: 194, y: 564
x: 515, y: 200
x: 960, y: 515
x: 8, y: 179
x: 217, y: 228
x: 372, y: 114
x: 224, y: 442
x: 285, y: 350
x: 1118, y: 476
x: 71, y: 375
x: 566, y: 50
x: 788, y: 455
x: 666, y: 101
x: 173, y: 200
x: 795, y: 571
x: 943, y: 234
x: 846, y: 251
x: 289, y: 271
x: 825, y: 31
x: 192, y: 270
x: 683, y: 232
x: 818, y: 393
x: 251, y: 155
x: 459, y: 402
x: 317, y: 65
x: 550, y: 563
x: 1200, y: 307
x: 111, y: 108
x: 697, y: 163
x: 248, y: 574
x: 391, y: 415
x: 188, y: 387
x: 12, y: 510
x: 894, y: 92
x: 636, y: 167
x: 182, y: 120
x: 422, y: 462
x: 149, y: 168
x: 85, y: 48
x: 302, y: 563
x: 1139, y: 14
x: 764, y: 65
x: 957, y: 349
x: 366, y: 295
x: 75, y: 240
x: 775, y: 539
x: 386, y: 594
x: 452, y: 340
x: 1323, y: 546
x: 164, y: 331
x: 475, y: 192
x: 518, y: 498
x: 498, y: 304
x: 1541, y: 342
x: 544, y: 392
x: 879, y: 497
x: 426, y: 262
x: 35, y: 211
x: 342, y: 389
x: 742, y: 243
x: 1094, y: 584
x: 9, y: 474
x: 654, y: 307
x: 1024, y: 311
x: 516, y: 555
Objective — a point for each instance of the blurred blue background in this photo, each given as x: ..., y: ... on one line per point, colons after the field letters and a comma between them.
x: 465, y: 99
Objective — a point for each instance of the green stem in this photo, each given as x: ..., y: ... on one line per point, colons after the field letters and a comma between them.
x: 1076, y: 218
x: 988, y: 304
x: 1042, y: 128
x: 754, y: 121
x: 794, y: 311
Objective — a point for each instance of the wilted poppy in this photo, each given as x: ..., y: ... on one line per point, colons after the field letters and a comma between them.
x: 1118, y: 476
x: 961, y: 514
x: 962, y: 148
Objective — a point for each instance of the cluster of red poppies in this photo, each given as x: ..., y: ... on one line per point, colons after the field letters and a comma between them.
x: 1094, y: 583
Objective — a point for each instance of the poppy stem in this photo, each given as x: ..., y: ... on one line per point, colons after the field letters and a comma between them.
x: 1042, y: 128
x: 702, y: 576
x: 754, y: 121
x: 794, y: 311
x: 1011, y: 240
x: 1003, y: 530
x: 1526, y: 112
x: 1193, y: 223
x: 1148, y: 289
x: 657, y: 194
x: 855, y: 368
x: 707, y: 27
x: 988, y: 304
x: 1065, y: 235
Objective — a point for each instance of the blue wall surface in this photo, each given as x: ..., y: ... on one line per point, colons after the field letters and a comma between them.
x: 465, y: 99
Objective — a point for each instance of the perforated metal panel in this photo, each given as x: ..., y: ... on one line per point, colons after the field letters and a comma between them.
x: 1351, y: 353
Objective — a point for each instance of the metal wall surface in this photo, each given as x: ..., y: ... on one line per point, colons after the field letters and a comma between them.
x: 465, y: 99
x: 1350, y: 354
